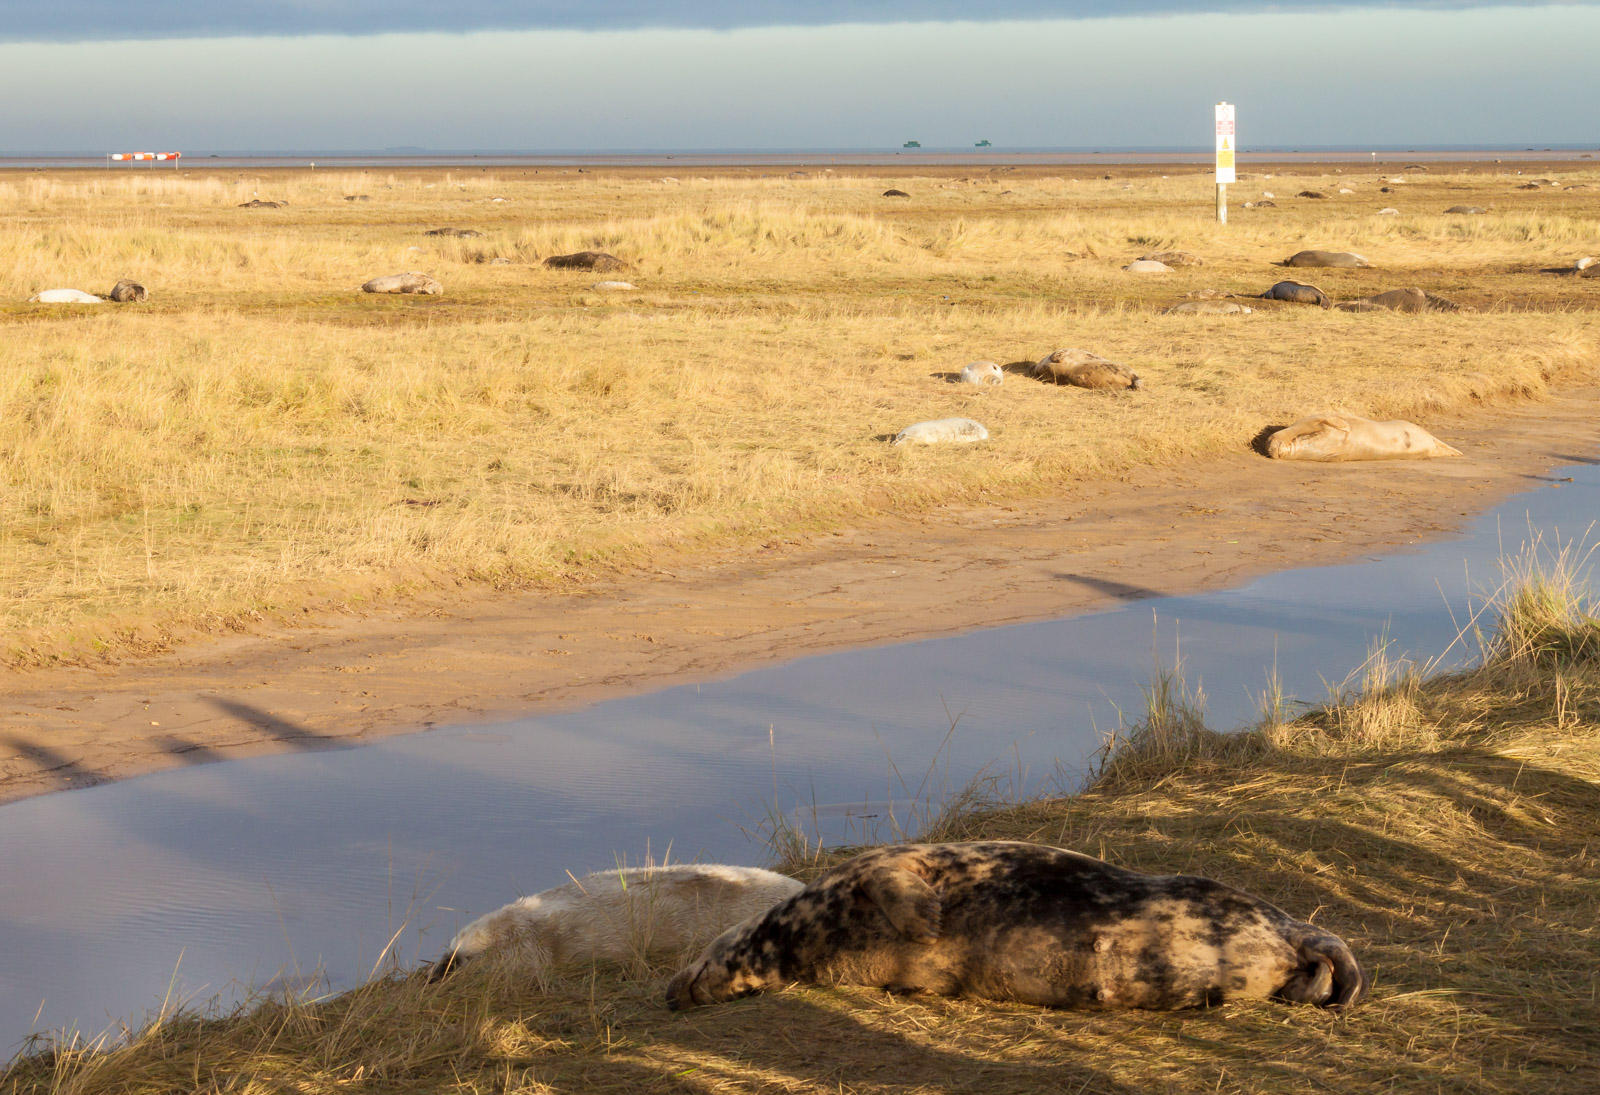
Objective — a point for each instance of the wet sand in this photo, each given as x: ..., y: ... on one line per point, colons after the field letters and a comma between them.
x: 478, y: 655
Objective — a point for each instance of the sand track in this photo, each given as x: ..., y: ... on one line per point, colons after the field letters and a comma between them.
x: 344, y: 680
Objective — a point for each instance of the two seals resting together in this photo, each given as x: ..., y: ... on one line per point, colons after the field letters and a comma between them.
x: 1024, y: 922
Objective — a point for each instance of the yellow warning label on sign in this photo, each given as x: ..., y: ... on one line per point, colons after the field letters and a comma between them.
x: 1225, y: 159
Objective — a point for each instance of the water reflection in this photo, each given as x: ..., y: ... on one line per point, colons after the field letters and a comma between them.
x: 280, y: 867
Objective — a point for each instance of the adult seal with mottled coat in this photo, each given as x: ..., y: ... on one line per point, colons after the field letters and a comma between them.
x: 1298, y: 292
x: 1083, y: 369
x: 1023, y: 922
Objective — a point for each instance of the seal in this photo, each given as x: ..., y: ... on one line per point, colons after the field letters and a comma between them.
x: 64, y: 296
x: 1340, y: 259
x: 1330, y: 437
x: 409, y: 282
x: 935, y: 431
x: 616, y: 915
x: 1207, y: 308
x: 126, y: 290
x: 1147, y: 266
x: 981, y: 373
x: 1410, y: 299
x: 1298, y: 292
x: 1082, y: 369
x: 1006, y: 920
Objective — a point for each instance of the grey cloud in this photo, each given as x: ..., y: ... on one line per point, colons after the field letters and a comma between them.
x: 111, y: 20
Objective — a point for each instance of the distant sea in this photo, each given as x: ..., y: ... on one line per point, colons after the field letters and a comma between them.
x: 784, y: 157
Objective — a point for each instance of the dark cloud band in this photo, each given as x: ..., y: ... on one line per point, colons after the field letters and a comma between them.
x: 102, y: 20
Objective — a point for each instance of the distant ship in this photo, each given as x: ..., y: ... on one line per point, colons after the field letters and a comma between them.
x: 912, y: 144
x: 985, y: 143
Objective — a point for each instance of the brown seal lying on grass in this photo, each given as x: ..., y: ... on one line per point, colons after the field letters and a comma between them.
x: 1005, y: 920
x: 618, y: 914
x: 1298, y: 292
x: 128, y: 291
x: 1410, y: 299
x: 1082, y: 369
x: 585, y: 260
x: 1343, y: 259
x: 1331, y: 437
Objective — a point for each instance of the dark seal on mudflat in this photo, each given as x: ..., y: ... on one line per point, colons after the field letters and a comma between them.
x: 1027, y: 923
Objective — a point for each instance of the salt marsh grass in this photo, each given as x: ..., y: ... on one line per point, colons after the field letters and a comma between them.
x: 260, y: 437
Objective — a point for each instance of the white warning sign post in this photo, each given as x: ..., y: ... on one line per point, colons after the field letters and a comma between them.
x: 1227, y: 144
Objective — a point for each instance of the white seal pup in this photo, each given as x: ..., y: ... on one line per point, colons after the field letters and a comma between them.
x: 1350, y: 437
x: 1147, y: 266
x: 409, y: 282
x: 613, y: 286
x: 1083, y: 369
x: 618, y: 914
x: 981, y: 373
x: 64, y: 296
x: 958, y: 430
x: 1005, y: 920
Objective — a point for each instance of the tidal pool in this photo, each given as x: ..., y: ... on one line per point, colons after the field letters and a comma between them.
x: 189, y: 885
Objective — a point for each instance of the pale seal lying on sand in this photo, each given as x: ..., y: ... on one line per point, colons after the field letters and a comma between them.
x: 1298, y: 292
x: 1349, y: 437
x: 958, y: 430
x: 1208, y: 308
x: 614, y: 286
x: 126, y: 291
x: 1466, y: 209
x: 1082, y: 369
x: 1004, y: 920
x: 618, y: 914
x: 409, y: 282
x: 64, y: 296
x: 1146, y: 266
x: 1172, y: 258
x: 1410, y: 299
x: 1388, y: 211
x: 1585, y: 262
x: 1345, y: 259
x: 981, y: 373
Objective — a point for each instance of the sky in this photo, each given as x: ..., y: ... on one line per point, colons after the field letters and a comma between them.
x: 98, y: 75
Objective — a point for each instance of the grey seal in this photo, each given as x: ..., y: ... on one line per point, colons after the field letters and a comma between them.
x: 1006, y: 920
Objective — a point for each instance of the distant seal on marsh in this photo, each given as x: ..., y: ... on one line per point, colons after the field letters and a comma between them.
x: 1147, y: 266
x: 960, y: 431
x: 409, y: 282
x: 1172, y: 258
x: 1298, y: 292
x: 981, y: 373
x: 1388, y: 211
x: 1208, y: 308
x: 126, y: 291
x: 459, y: 233
x: 1410, y: 299
x: 1330, y: 437
x: 1082, y: 369
x: 614, y: 286
x: 64, y: 296
x: 585, y: 260
x: 1339, y: 259
x: 261, y: 203
x: 893, y: 193
x: 1004, y: 920
x: 1466, y: 209
x: 618, y: 914
x: 1311, y: 194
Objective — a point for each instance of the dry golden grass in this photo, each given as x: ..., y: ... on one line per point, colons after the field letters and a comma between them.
x: 1459, y: 863
x: 259, y: 436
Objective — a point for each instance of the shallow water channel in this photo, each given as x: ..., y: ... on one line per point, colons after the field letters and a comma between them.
x: 198, y: 881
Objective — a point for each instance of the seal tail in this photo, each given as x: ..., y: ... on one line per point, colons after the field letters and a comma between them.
x: 447, y: 964
x: 1329, y: 976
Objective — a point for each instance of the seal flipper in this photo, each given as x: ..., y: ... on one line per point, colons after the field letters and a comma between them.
x: 910, y: 904
x: 1330, y: 976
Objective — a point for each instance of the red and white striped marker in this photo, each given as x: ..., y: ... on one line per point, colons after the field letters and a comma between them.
x: 145, y: 155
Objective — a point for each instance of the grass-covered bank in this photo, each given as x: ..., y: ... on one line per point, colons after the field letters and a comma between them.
x: 260, y: 437
x: 1445, y: 826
